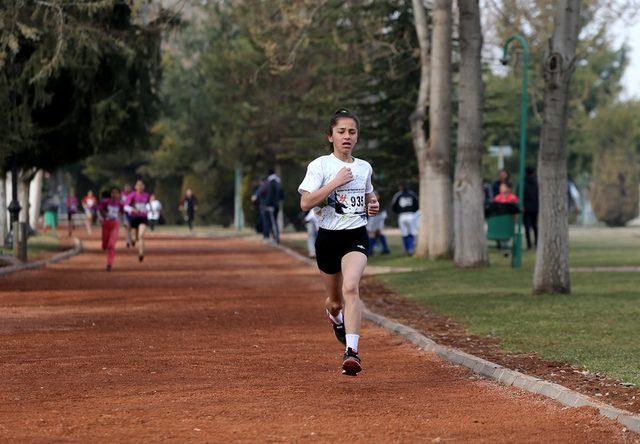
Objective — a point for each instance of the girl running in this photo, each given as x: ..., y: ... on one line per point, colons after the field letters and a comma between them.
x: 124, y: 196
x: 136, y: 207
x: 89, y: 204
x: 344, y: 183
x: 72, y: 209
x: 110, y: 210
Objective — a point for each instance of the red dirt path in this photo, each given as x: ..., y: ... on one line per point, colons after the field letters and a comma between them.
x: 216, y: 340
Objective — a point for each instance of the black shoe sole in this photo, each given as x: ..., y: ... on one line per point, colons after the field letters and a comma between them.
x: 351, y: 367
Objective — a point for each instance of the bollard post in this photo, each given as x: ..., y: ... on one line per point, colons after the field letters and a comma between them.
x: 20, y: 241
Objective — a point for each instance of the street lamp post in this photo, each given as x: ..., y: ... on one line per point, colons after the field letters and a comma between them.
x: 516, y: 257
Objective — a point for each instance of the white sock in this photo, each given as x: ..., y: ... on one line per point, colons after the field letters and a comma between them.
x: 352, y: 341
x: 337, y: 319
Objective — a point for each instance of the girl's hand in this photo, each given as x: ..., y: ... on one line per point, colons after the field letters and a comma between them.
x: 373, y: 207
x: 344, y: 176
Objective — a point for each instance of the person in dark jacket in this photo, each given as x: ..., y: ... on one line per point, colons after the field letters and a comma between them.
x: 270, y: 194
x: 189, y: 205
x: 530, y: 204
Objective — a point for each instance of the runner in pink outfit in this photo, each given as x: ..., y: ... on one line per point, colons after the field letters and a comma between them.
x: 136, y: 207
x: 110, y: 210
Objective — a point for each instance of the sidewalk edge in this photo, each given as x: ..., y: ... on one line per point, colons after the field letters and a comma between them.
x: 77, y: 248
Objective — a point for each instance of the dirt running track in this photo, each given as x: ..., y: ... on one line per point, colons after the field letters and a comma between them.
x: 217, y: 340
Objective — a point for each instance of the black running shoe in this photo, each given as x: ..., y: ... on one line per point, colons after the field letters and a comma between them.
x: 338, y: 330
x: 351, y: 363
x: 108, y: 267
x: 141, y: 257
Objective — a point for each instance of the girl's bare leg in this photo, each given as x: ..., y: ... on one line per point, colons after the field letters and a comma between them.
x: 141, y: 230
x: 353, y: 265
x: 333, y: 285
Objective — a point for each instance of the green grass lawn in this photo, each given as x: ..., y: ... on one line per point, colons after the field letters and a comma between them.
x: 597, y: 327
x: 588, y: 247
x: 203, y: 230
x: 42, y: 243
x: 37, y: 245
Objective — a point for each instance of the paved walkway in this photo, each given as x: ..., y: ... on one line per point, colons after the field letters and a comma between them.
x: 224, y: 340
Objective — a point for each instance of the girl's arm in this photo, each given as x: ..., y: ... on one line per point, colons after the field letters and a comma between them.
x: 314, y: 199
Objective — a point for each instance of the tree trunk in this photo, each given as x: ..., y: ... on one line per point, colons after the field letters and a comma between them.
x: 23, y: 198
x: 24, y: 184
x: 35, y: 197
x: 417, y: 122
x: 438, y: 170
x: 470, y: 245
x: 552, y: 255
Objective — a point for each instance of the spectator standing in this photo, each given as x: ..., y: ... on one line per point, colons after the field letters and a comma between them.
x: 503, y: 178
x: 189, y: 205
x: 530, y: 206
x: 405, y: 205
x: 51, y: 213
x: 271, y: 193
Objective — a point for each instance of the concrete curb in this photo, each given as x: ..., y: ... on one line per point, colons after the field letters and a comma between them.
x: 77, y: 248
x: 503, y: 375
x: 506, y: 376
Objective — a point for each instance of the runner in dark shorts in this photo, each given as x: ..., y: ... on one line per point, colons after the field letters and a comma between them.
x: 136, y: 207
x: 342, y: 184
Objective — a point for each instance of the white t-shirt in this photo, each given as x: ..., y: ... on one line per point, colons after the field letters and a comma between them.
x: 153, y: 209
x: 345, y: 207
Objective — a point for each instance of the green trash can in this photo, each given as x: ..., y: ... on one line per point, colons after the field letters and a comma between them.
x: 501, y: 228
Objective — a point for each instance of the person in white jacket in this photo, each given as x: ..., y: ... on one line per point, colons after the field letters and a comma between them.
x: 154, y: 208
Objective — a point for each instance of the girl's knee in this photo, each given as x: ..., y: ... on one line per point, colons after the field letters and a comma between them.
x: 350, y: 290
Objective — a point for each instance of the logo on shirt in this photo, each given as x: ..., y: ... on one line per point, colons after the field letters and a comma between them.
x: 333, y: 201
x: 360, y: 246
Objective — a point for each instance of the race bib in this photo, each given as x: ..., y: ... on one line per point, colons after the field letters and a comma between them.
x: 112, y: 212
x: 141, y: 207
x: 353, y: 202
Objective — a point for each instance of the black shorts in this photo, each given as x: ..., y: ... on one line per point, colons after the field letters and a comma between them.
x: 332, y: 245
x: 135, y: 222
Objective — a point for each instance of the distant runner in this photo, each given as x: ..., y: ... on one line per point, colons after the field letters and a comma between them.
x: 124, y: 196
x: 136, y: 207
x: 110, y: 210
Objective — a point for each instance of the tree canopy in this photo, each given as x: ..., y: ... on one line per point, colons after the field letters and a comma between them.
x: 76, y: 78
